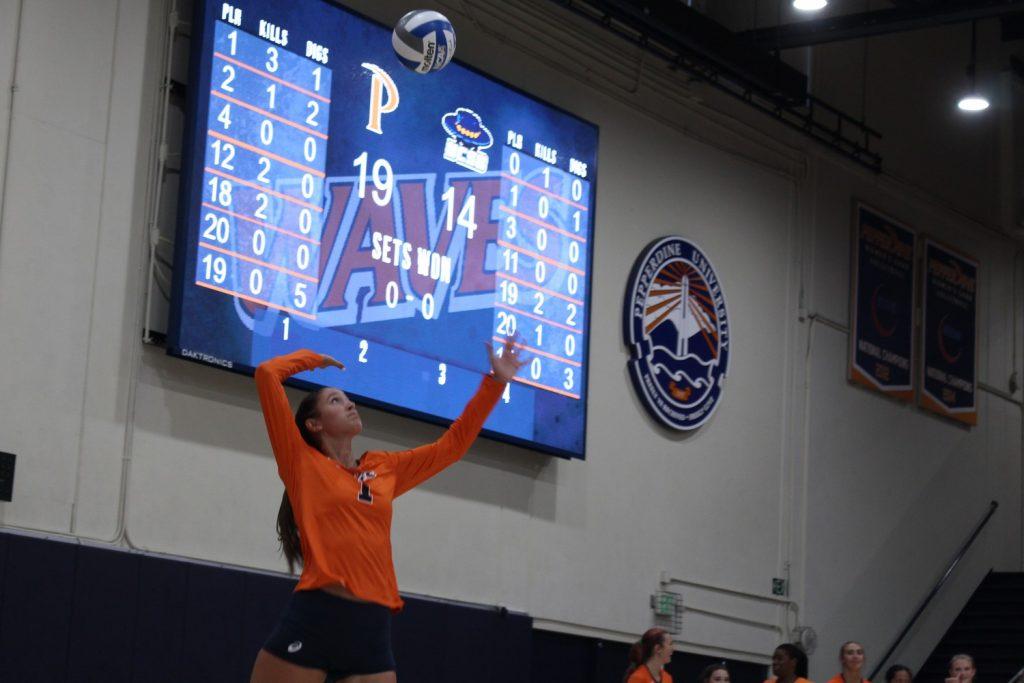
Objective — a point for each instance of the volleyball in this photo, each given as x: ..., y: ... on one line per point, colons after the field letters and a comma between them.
x: 424, y: 41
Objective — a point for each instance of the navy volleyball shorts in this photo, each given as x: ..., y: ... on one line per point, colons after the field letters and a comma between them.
x: 344, y: 638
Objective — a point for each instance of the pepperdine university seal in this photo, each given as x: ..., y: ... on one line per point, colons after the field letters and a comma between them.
x: 676, y: 327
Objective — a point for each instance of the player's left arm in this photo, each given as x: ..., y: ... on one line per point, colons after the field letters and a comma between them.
x: 419, y: 464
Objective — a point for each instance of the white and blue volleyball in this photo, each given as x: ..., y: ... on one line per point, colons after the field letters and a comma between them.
x: 424, y: 41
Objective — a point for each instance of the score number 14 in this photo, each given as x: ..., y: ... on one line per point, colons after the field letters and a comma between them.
x: 383, y: 178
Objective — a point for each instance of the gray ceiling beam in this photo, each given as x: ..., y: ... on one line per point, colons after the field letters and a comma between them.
x: 689, y: 33
x: 879, y: 22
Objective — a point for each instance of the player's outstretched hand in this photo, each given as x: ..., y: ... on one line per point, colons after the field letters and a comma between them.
x: 329, y: 362
x: 508, y: 363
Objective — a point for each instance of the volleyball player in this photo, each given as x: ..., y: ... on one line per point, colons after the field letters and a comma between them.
x: 648, y: 658
x: 961, y: 669
x: 335, y: 519
x: 897, y: 673
x: 715, y: 673
x: 851, y: 659
x: 789, y: 665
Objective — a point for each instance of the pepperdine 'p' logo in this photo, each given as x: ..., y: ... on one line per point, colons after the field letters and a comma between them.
x: 677, y: 330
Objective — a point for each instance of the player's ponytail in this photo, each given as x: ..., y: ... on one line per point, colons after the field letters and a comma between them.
x: 288, y: 533
x: 287, y: 529
x: 643, y: 649
x: 635, y: 660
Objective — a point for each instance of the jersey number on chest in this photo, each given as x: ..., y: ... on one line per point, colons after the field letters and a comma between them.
x: 364, y: 486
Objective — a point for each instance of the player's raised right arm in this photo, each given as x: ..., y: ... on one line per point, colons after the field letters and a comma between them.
x: 284, y: 435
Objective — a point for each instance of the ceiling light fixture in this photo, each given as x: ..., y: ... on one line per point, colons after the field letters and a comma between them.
x: 972, y: 103
x: 809, y: 5
x: 973, y: 100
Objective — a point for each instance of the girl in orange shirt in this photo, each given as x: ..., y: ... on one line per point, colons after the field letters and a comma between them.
x: 335, y: 520
x: 789, y: 665
x: 851, y: 658
x: 649, y: 656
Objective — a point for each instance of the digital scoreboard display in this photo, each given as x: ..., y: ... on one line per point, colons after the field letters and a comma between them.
x: 333, y: 199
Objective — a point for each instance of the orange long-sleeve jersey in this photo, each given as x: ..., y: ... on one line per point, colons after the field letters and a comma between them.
x: 643, y: 675
x: 344, y: 516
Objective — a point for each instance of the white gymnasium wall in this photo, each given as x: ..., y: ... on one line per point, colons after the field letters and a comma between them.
x: 892, y: 492
x: 859, y: 499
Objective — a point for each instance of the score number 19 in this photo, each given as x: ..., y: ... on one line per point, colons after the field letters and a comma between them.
x: 383, y: 178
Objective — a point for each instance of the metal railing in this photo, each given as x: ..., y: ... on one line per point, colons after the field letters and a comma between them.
x: 924, y: 604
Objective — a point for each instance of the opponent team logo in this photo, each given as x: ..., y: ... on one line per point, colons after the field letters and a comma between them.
x: 468, y: 137
x: 677, y: 330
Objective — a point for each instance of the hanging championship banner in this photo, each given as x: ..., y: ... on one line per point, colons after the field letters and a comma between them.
x: 949, y: 381
x: 882, y: 304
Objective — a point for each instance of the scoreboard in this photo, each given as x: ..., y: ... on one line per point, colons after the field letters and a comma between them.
x: 334, y: 200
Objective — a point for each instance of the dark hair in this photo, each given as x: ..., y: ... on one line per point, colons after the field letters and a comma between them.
x: 891, y: 672
x: 710, y: 669
x: 287, y: 529
x: 795, y: 652
x: 643, y: 649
